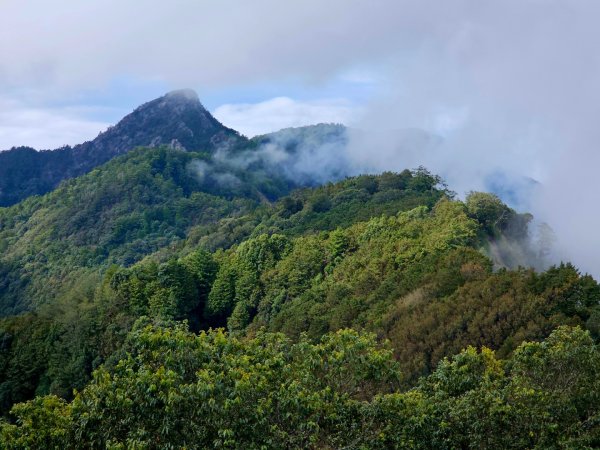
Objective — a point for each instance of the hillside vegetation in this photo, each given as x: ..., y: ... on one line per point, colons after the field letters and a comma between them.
x: 173, y: 389
x: 191, y: 302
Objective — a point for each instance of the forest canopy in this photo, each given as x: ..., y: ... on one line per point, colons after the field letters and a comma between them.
x: 156, y: 303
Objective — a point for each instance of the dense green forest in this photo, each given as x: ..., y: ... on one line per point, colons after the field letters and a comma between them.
x: 170, y: 299
x: 174, y: 389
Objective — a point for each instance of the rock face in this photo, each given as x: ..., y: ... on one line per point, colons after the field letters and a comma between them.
x: 177, y: 119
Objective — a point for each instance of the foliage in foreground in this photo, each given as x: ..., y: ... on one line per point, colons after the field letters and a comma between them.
x: 174, y: 389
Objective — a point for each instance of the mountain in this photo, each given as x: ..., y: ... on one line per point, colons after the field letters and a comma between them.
x: 152, y: 199
x: 177, y: 120
x: 372, y: 311
x: 118, y: 213
x: 317, y: 154
x: 344, y: 305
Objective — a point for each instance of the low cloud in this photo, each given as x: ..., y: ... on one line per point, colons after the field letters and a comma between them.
x: 209, y: 176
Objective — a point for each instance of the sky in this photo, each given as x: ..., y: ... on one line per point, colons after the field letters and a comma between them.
x: 510, y: 87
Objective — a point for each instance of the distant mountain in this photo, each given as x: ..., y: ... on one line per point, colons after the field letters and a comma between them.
x: 312, y: 135
x: 317, y: 154
x: 306, y: 156
x: 177, y: 120
x: 516, y: 191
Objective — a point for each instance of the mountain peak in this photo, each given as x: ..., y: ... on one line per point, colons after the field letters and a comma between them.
x: 177, y: 119
x: 183, y: 94
x: 174, y: 102
x: 177, y: 100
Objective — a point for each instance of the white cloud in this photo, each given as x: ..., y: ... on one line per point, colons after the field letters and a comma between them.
x: 65, y: 44
x: 44, y: 128
x: 253, y: 119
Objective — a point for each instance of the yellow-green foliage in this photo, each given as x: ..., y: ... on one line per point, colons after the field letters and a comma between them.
x: 173, y: 389
x: 352, y: 270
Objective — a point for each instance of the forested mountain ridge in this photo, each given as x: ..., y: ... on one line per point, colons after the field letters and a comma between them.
x: 179, y: 299
x: 177, y: 119
x: 117, y: 214
x: 58, y: 252
x: 411, y: 275
x: 151, y: 199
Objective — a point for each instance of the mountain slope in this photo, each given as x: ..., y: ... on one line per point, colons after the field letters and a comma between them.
x: 177, y: 119
x: 163, y: 235
x: 117, y: 213
x: 151, y: 199
x: 105, y: 281
x: 389, y: 254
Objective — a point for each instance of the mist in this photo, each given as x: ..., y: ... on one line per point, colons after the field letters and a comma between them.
x: 500, y: 97
x: 206, y: 174
x: 513, y: 97
x: 318, y: 154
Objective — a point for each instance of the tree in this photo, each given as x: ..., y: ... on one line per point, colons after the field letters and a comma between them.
x: 489, y: 211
